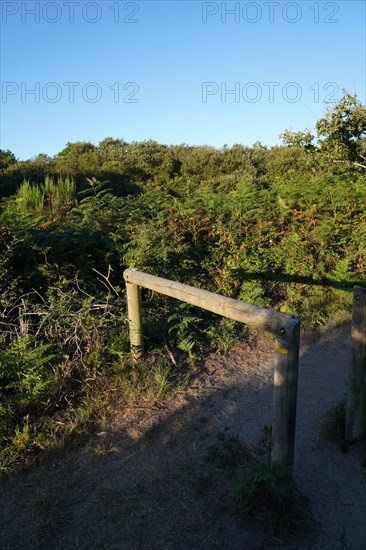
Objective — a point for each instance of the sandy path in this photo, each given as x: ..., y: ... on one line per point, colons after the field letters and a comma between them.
x: 151, y: 487
x: 335, y: 482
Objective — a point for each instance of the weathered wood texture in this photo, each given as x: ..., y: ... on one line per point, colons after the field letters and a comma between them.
x: 284, y: 327
x: 280, y: 325
x: 134, y: 319
x: 356, y: 397
x: 285, y: 400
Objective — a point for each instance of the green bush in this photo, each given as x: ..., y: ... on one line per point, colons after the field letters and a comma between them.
x: 275, y: 228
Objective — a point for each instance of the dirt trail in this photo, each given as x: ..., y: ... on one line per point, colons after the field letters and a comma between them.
x: 335, y: 482
x: 144, y: 483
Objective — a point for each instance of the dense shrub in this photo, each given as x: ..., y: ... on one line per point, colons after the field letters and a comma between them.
x: 282, y: 228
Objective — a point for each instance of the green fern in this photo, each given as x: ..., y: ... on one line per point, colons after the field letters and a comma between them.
x: 182, y: 325
x: 23, y: 370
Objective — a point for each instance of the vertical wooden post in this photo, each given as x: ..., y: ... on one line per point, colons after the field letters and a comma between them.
x: 356, y: 398
x: 134, y: 319
x: 284, y: 327
x: 285, y: 399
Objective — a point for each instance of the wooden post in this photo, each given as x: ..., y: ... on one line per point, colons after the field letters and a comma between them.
x: 285, y: 328
x: 356, y: 398
x: 134, y: 319
x: 285, y: 399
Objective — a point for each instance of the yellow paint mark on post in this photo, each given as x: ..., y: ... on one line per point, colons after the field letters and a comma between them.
x: 281, y: 350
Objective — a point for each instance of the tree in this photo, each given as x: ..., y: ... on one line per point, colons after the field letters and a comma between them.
x: 112, y: 149
x: 79, y: 158
x: 342, y: 132
x: 6, y: 158
x: 341, y: 136
x: 299, y: 139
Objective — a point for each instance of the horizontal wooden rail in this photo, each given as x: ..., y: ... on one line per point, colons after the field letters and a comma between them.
x: 280, y: 325
x: 285, y: 328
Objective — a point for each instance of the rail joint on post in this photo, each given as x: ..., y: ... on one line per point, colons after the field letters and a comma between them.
x: 285, y: 328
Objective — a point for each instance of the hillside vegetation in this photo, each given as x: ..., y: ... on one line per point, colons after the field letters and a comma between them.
x: 281, y: 227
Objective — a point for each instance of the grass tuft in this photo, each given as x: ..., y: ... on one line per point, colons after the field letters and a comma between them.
x: 334, y: 423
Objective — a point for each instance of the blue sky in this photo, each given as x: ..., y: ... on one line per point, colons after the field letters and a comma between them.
x: 164, y: 70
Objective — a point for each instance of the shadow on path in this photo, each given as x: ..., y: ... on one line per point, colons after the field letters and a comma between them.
x: 144, y: 483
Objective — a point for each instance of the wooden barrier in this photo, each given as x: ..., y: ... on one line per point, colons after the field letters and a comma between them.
x: 134, y: 319
x: 356, y: 396
x: 285, y: 328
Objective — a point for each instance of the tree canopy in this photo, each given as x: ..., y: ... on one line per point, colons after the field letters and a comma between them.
x: 336, y: 145
x: 342, y: 131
